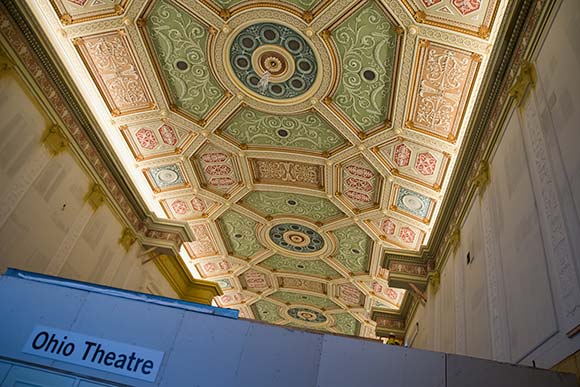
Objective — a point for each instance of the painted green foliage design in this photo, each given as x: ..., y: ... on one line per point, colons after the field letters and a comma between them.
x: 354, y: 248
x: 282, y: 203
x: 180, y: 43
x: 267, y: 311
x: 240, y: 234
x: 304, y: 299
x: 366, y: 44
x: 346, y: 324
x: 317, y: 268
x: 304, y: 131
x: 302, y: 4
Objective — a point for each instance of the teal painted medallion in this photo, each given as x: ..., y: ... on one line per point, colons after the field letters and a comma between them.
x: 307, y: 315
x: 273, y: 60
x: 296, y: 238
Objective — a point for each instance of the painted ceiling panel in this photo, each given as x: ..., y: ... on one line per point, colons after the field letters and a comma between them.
x: 157, y: 138
x: 442, y: 87
x: 187, y: 207
x: 217, y: 169
x: 354, y: 249
x: 474, y: 17
x: 75, y: 11
x: 297, y: 141
x: 306, y: 132
x: 240, y: 234
x: 114, y: 67
x: 367, y: 45
x: 289, y: 173
x: 301, y: 4
x: 293, y: 298
x: 302, y: 284
x: 346, y: 324
x: 315, y: 268
x: 360, y: 184
x: 308, y: 207
x: 267, y: 311
x: 180, y: 50
x: 415, y: 162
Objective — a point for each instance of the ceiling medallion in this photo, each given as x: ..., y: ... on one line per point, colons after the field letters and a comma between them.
x: 296, y: 238
x: 307, y: 315
x: 273, y: 61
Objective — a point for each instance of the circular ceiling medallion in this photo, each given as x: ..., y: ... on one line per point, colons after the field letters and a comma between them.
x: 296, y: 238
x: 167, y: 176
x: 307, y: 315
x: 412, y: 202
x: 273, y: 61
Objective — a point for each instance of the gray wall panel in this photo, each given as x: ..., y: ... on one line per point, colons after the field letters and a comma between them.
x: 471, y: 372
x: 350, y: 362
x: 276, y: 356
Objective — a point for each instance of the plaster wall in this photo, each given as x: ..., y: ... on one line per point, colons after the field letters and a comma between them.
x: 518, y: 298
x: 46, y: 225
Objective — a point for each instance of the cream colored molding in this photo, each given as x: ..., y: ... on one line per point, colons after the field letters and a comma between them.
x: 525, y: 81
x: 95, y: 196
x: 127, y: 238
x: 54, y: 140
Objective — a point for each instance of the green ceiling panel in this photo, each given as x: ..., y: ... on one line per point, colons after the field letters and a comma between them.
x: 354, y: 248
x: 283, y: 203
x: 180, y: 44
x: 267, y: 311
x: 240, y: 234
x: 302, y: 4
x: 366, y: 43
x: 228, y: 3
x: 304, y: 299
x: 307, y: 326
x: 317, y: 268
x: 304, y: 131
x: 346, y: 324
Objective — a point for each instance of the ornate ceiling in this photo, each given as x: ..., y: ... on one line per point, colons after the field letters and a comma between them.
x: 298, y: 140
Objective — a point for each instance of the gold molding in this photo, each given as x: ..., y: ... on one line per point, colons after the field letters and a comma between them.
x: 54, y: 140
x: 435, y: 281
x: 66, y: 19
x: 127, y: 238
x: 95, y: 196
x: 186, y: 287
x: 525, y: 81
x: 483, y: 31
x: 454, y: 238
x: 6, y: 64
x: 482, y: 178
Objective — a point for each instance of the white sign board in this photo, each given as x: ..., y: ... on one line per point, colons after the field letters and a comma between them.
x: 93, y: 352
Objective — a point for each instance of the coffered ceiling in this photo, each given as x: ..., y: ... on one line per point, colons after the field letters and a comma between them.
x: 298, y: 140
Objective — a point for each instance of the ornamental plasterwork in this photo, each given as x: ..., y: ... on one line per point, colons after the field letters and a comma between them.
x: 473, y: 17
x: 294, y: 166
x: 76, y: 11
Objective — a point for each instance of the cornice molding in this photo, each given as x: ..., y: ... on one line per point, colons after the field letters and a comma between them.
x: 35, y: 63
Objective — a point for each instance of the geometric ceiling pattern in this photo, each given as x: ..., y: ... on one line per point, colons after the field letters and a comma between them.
x: 298, y: 140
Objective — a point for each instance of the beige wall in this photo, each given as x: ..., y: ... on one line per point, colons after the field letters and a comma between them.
x: 520, y: 296
x: 45, y: 224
